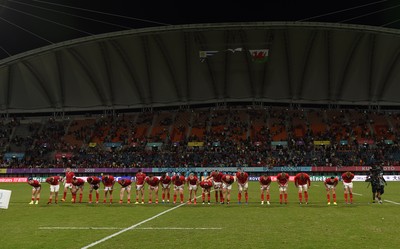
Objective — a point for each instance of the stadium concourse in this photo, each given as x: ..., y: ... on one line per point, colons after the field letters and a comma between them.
x: 270, y: 95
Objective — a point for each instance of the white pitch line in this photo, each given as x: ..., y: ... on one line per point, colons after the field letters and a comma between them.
x: 120, y: 228
x: 131, y: 227
x: 357, y: 194
x: 134, y: 226
x: 393, y: 202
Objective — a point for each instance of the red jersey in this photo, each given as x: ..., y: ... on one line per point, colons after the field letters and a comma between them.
x: 154, y: 181
x: 165, y: 180
x: 217, y: 176
x: 226, y: 180
x: 69, y: 176
x: 53, y: 180
x: 242, y: 177
x: 265, y: 180
x: 346, y: 178
x: 282, y: 180
x: 302, y: 179
x: 192, y: 181
x: 95, y: 180
x: 34, y: 183
x: 109, y: 182
x: 206, y: 184
x: 330, y: 181
x: 124, y: 182
x: 140, y: 177
x: 78, y: 182
x: 178, y: 180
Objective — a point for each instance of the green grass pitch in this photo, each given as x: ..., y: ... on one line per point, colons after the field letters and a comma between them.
x: 316, y: 225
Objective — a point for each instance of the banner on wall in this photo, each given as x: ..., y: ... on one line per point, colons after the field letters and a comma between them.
x: 195, y: 144
x: 13, y: 155
x: 5, y: 196
x: 61, y: 155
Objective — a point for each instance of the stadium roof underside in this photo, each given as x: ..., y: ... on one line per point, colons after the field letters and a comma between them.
x: 304, y: 63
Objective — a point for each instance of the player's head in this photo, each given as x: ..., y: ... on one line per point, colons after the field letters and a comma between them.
x: 283, y: 174
x: 228, y: 177
x: 122, y: 180
x: 302, y: 176
x: 139, y: 171
x: 89, y: 179
x: 348, y: 173
x: 68, y: 169
x: 106, y: 177
x: 74, y: 178
x: 30, y: 178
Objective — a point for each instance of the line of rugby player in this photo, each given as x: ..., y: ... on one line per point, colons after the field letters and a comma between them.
x: 221, y: 184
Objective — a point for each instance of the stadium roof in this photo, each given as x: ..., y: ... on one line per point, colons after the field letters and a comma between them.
x: 285, y: 62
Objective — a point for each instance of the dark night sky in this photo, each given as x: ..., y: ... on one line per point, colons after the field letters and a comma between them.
x: 29, y: 24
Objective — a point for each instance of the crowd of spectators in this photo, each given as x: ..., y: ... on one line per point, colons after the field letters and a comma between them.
x: 239, y: 136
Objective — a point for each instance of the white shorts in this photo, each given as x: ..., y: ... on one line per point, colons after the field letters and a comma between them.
x: 243, y: 187
x: 330, y: 186
x: 178, y: 187
x: 54, y: 188
x: 109, y: 188
x: 347, y: 185
x: 166, y: 186
x: 139, y: 187
x: 37, y: 188
x: 193, y: 187
x: 67, y: 185
x: 153, y: 187
x: 217, y: 185
x: 226, y: 186
x: 127, y: 188
x: 283, y: 188
x: 302, y: 188
x: 265, y: 187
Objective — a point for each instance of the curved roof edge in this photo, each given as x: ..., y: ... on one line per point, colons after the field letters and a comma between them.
x: 264, y: 102
x: 187, y: 27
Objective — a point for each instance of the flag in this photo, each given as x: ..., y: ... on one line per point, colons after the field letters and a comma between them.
x: 259, y: 55
x: 233, y: 50
x: 205, y: 54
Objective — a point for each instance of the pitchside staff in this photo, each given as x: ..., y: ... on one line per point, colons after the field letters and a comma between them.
x: 378, y: 183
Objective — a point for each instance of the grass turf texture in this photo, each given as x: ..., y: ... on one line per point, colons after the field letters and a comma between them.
x: 316, y: 225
